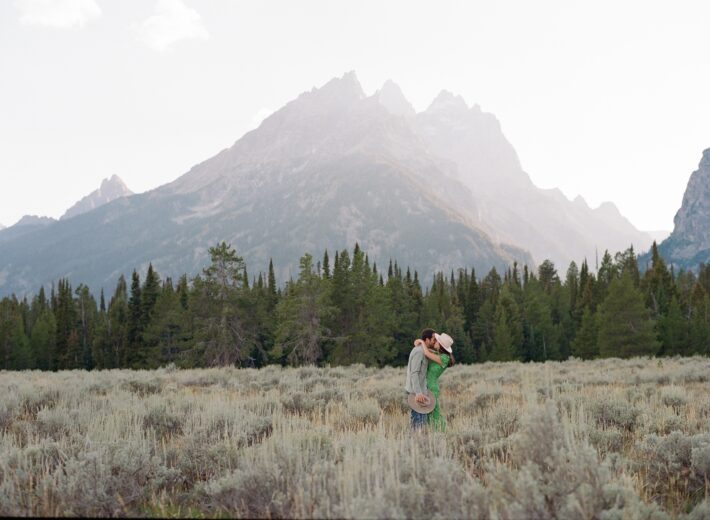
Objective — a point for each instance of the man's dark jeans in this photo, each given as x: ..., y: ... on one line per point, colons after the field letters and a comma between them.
x: 419, y: 420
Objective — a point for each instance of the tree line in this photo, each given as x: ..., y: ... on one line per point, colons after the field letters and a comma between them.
x: 345, y: 310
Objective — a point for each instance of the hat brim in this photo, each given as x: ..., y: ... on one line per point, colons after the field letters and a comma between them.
x: 447, y: 348
x: 426, y: 408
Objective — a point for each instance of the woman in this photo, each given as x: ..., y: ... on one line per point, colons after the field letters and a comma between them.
x: 440, y: 361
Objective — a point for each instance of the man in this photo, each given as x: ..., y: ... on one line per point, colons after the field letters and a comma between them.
x: 416, y: 376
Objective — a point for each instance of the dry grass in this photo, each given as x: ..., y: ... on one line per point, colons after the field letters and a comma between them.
x: 601, y: 439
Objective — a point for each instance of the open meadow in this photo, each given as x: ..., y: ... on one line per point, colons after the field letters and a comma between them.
x: 575, y: 439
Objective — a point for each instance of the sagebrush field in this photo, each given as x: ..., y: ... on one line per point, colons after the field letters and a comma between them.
x: 593, y: 439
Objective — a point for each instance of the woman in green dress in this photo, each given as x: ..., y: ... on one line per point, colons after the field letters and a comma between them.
x: 440, y: 358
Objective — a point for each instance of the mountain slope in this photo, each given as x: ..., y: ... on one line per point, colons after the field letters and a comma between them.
x: 330, y: 168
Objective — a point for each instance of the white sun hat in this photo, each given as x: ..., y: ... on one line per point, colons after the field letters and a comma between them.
x: 445, y: 341
x: 424, y: 408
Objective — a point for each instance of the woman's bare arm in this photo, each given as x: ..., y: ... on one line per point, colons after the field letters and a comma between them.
x: 432, y: 356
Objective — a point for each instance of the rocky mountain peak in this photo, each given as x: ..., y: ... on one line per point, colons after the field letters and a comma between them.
x: 34, y: 220
x: 608, y: 208
x: 579, y: 200
x: 705, y: 161
x: 391, y: 97
x: 447, y: 102
x: 692, y: 221
x: 114, y: 185
x: 110, y: 189
x: 343, y: 90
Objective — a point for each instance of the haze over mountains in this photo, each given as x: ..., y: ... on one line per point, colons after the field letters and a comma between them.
x: 436, y: 190
x: 506, y: 203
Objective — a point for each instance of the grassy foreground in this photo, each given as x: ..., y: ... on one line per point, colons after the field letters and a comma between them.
x: 600, y: 439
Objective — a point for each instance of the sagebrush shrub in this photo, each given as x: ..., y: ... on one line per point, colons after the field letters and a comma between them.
x: 613, y: 412
x: 674, y: 396
x: 162, y: 421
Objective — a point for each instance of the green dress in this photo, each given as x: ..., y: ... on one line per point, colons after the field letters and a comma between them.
x: 434, y: 370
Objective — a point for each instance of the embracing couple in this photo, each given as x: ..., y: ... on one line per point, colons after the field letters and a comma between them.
x: 427, y: 361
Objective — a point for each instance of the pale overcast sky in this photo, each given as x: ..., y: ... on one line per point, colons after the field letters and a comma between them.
x: 606, y: 99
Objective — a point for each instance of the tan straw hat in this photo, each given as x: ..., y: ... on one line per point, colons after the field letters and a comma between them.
x: 425, y: 408
x: 445, y: 341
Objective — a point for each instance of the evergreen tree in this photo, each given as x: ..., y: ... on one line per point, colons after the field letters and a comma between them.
x: 700, y: 327
x: 224, y: 336
x: 86, y: 315
x: 627, y: 262
x: 540, y: 341
x: 606, y: 273
x: 503, y: 343
x: 625, y: 327
x: 149, y: 295
x: 69, y: 353
x: 183, y: 292
x: 302, y: 314
x: 657, y: 285
x: 43, y: 342
x: 547, y: 275
x: 271, y: 286
x: 167, y: 335
x: 585, y: 344
x: 674, y: 331
x: 135, y: 354
x: 21, y: 357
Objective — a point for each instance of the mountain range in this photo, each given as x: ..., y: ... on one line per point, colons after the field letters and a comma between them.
x: 436, y: 190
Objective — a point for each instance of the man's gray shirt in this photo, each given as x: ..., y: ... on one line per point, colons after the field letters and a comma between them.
x: 416, y: 371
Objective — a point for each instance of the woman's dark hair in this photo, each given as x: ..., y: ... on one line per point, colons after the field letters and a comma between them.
x: 428, y: 334
x: 452, y: 361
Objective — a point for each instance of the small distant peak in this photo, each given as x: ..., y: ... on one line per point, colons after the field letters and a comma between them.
x: 579, y: 200
x: 448, y: 103
x: 116, y: 184
x: 110, y: 189
x: 34, y: 220
x: 609, y: 208
x: 705, y: 161
x: 346, y: 86
x: 391, y: 97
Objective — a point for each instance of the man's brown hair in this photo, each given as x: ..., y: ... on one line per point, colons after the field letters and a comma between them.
x: 428, y: 334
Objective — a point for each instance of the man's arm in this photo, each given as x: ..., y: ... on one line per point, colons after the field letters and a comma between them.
x: 417, y: 364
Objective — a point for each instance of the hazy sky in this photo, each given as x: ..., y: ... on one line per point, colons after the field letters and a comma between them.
x: 606, y: 99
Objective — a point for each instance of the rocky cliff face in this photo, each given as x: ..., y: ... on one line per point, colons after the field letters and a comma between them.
x: 689, y: 244
x: 110, y: 190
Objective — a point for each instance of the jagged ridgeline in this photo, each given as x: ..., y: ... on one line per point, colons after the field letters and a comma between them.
x: 342, y: 308
x: 437, y: 189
